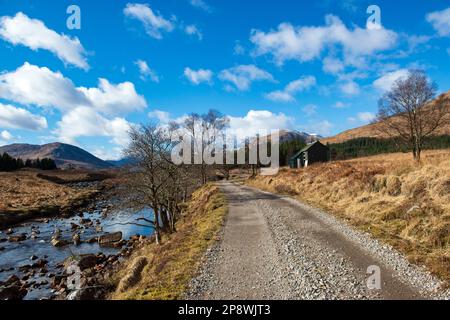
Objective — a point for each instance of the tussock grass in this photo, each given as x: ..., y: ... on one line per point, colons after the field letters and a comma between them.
x: 405, y: 205
x: 173, y: 264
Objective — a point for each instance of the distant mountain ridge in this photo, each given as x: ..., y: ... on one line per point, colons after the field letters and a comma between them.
x: 65, y: 155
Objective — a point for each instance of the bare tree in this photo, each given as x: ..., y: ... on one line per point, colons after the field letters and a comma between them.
x: 155, y: 182
x: 408, y: 113
x: 204, y: 130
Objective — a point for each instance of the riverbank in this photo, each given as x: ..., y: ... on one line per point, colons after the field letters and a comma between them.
x: 164, y: 271
x: 31, y: 194
x: 388, y: 196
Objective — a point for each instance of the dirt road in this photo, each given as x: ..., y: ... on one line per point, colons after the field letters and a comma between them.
x: 274, y: 247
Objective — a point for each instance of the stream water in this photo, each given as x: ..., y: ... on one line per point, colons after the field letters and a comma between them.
x: 14, y: 255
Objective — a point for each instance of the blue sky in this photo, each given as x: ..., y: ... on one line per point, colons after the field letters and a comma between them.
x: 304, y: 65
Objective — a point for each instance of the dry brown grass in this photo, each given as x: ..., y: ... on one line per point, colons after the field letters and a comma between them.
x: 23, y: 193
x: 172, y: 264
x: 401, y: 203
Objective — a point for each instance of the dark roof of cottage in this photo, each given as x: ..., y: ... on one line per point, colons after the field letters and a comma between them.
x: 304, y: 149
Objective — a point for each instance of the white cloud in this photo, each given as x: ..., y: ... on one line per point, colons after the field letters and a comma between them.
x: 350, y: 88
x: 198, y: 76
x: 5, y: 138
x: 322, y: 128
x: 238, y: 49
x: 242, y: 76
x: 114, y: 99
x: 86, y: 122
x: 32, y: 33
x: 309, y: 109
x: 363, y: 118
x: 258, y: 121
x: 146, y: 72
x: 5, y: 135
x: 192, y: 30
x: 306, y: 43
x: 201, y: 4
x: 154, y: 23
x: 386, y: 82
x: 287, y: 95
x: 280, y: 96
x: 332, y: 65
x: 340, y: 105
x: 162, y: 116
x: 107, y: 154
x: 32, y: 85
x: 18, y: 118
x: 440, y: 20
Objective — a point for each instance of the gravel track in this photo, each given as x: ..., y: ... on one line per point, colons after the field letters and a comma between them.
x: 274, y: 247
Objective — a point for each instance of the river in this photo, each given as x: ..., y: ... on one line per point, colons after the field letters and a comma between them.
x: 14, y: 255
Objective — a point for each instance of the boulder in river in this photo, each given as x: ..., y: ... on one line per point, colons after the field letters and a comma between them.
x: 76, y: 239
x: 13, y: 293
x: 87, y: 261
x: 58, y: 243
x: 18, y: 238
x: 110, y: 238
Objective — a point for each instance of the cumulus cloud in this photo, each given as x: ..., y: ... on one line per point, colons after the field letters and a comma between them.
x: 363, y: 118
x: 6, y: 135
x: 386, y: 82
x: 322, y: 128
x: 33, y: 85
x: 192, y: 30
x: 198, y: 76
x: 332, y: 65
x: 146, y: 72
x: 86, y: 122
x: 242, y: 76
x: 34, y: 34
x: 259, y: 121
x: 350, y: 88
x: 154, y: 23
x: 306, y: 43
x: 18, y: 118
x: 162, y: 116
x: 287, y: 95
x: 440, y: 20
x: 201, y: 4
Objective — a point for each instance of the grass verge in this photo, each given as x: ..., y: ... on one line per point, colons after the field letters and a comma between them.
x: 172, y: 265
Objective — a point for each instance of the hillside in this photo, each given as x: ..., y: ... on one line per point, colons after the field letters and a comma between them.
x: 294, y: 135
x: 374, y: 130
x: 65, y: 155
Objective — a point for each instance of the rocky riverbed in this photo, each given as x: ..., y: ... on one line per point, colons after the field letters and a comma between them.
x: 53, y: 258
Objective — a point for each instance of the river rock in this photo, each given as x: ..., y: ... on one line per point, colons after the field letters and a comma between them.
x: 13, y: 279
x: 76, y: 239
x: 87, y: 261
x: 58, y: 243
x: 9, y: 231
x: 40, y: 264
x: 110, y: 238
x: 74, y: 226
x: 17, y: 238
x: 13, y: 293
x: 1, y: 248
x: 92, y: 240
x: 33, y: 257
